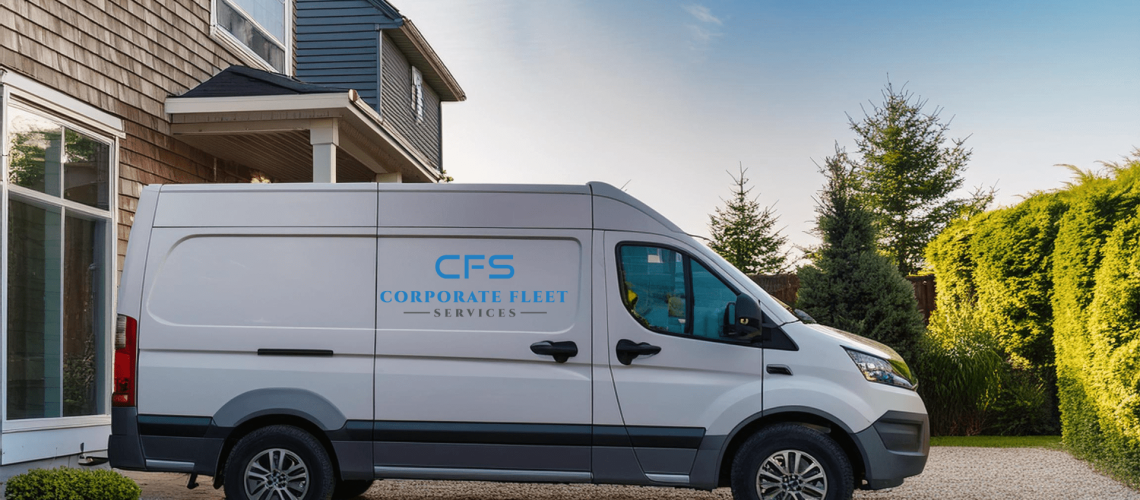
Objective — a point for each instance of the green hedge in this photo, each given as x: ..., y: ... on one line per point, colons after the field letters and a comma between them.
x: 1097, y: 323
x: 998, y: 266
x: 1056, y: 281
x: 71, y: 484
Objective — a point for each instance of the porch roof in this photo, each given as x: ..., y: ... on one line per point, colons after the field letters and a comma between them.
x: 294, y: 131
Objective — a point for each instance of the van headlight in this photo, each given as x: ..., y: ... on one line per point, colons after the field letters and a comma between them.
x: 883, y: 371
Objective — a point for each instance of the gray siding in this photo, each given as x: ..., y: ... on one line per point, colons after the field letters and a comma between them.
x: 397, y: 105
x: 337, y: 45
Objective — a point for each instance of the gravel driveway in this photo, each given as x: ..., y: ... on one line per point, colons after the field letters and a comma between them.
x: 952, y: 473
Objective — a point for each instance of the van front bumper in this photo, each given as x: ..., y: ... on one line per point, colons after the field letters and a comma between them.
x: 894, y: 448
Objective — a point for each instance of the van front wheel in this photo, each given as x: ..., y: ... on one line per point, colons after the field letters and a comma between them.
x: 279, y: 462
x: 788, y: 461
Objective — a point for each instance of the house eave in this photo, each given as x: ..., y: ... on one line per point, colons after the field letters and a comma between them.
x: 419, y: 52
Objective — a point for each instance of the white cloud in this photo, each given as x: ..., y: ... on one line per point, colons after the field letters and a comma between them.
x: 703, y: 14
x: 706, y: 28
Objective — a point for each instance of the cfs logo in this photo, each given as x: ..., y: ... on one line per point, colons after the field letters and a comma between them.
x: 471, y: 262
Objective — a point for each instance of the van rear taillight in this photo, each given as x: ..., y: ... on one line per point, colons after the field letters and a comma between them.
x: 126, y: 350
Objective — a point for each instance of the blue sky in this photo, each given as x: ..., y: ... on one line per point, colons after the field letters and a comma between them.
x: 666, y: 96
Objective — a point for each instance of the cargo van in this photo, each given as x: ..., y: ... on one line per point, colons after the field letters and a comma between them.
x: 303, y: 341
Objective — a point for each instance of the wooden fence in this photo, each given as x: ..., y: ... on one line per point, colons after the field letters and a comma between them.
x: 786, y: 286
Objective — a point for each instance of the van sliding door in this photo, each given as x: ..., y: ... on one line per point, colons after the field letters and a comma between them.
x: 483, y: 354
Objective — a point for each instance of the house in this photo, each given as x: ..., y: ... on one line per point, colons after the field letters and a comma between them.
x: 99, y: 98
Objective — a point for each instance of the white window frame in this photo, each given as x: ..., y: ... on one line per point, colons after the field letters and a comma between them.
x: 246, y: 54
x: 418, y: 93
x: 26, y: 94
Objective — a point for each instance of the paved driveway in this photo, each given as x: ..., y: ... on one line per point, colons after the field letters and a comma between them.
x: 952, y: 473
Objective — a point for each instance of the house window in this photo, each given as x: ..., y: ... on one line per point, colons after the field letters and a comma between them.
x: 58, y: 224
x: 260, y: 28
x: 418, y: 93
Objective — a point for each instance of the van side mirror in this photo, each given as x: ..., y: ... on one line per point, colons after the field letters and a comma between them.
x: 748, y: 318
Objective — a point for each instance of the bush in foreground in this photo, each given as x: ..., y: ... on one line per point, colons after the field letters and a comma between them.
x: 71, y: 484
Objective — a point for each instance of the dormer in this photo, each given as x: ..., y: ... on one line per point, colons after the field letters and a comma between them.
x: 368, y: 46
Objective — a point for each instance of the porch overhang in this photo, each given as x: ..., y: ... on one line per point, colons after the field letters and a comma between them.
x: 309, y: 137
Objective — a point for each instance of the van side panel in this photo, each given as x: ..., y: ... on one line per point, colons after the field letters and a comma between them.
x: 504, y: 210
x: 265, y: 205
x: 241, y: 322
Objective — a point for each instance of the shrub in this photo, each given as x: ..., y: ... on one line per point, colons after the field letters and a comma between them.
x: 1024, y: 406
x: 959, y: 373
x: 850, y: 285
x: 71, y: 484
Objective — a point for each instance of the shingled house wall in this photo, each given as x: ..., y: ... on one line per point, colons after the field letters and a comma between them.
x: 124, y: 57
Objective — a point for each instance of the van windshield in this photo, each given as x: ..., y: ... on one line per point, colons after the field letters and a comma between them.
x: 782, y: 312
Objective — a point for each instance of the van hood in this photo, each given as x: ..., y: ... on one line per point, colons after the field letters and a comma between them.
x: 860, y: 343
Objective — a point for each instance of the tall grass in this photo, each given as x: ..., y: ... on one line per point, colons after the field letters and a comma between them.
x: 959, y: 371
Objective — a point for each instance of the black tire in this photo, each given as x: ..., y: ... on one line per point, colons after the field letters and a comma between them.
x: 819, y: 464
x: 265, y: 449
x: 351, y: 488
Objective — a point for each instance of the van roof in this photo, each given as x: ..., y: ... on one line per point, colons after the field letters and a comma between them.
x: 348, y: 204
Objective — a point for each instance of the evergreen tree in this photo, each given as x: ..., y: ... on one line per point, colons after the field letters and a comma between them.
x: 907, y: 172
x: 746, y: 235
x: 850, y: 285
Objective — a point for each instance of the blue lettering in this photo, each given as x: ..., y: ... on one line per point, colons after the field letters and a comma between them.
x: 438, y: 271
x: 416, y: 297
x: 471, y: 298
x: 428, y: 295
x: 495, y: 296
x: 401, y: 296
x: 483, y: 294
x: 509, y: 268
x: 444, y: 296
x: 550, y: 296
x: 537, y: 296
x: 513, y: 294
x: 523, y: 294
x: 459, y: 296
x: 389, y: 292
x: 467, y: 267
x: 563, y: 296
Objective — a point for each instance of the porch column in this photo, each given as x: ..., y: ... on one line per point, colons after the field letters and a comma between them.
x: 324, y: 137
x: 390, y: 177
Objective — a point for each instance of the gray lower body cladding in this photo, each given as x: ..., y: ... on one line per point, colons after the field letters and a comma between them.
x: 894, y: 448
x: 364, y: 450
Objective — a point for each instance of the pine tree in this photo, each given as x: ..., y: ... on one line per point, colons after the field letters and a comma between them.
x: 850, y: 285
x: 907, y: 171
x: 746, y: 235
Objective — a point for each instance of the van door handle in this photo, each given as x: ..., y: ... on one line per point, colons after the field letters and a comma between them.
x: 561, y: 351
x: 779, y: 370
x: 628, y: 349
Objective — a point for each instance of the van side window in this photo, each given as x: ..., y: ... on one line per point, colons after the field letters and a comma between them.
x: 669, y: 292
x: 710, y: 297
x: 653, y: 287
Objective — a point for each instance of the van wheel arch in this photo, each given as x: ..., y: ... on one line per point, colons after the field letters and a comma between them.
x: 808, y: 417
x: 243, y: 429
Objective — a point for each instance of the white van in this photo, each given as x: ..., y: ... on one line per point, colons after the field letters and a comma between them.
x: 302, y: 341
